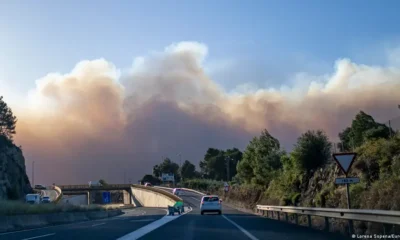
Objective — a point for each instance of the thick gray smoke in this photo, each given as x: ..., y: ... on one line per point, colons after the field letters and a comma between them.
x: 96, y: 122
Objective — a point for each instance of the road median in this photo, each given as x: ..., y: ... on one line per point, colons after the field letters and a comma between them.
x: 30, y: 218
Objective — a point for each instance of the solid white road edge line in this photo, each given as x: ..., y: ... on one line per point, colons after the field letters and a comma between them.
x: 95, y: 225
x: 41, y: 236
x: 241, y: 229
x: 151, y: 226
x: 142, y: 220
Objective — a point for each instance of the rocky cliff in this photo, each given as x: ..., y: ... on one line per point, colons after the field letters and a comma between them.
x: 14, y: 183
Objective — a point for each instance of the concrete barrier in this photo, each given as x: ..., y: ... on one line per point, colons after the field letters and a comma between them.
x: 153, y: 197
x: 20, y: 222
x: 185, y: 189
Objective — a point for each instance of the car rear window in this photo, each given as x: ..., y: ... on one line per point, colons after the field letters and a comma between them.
x: 210, y: 199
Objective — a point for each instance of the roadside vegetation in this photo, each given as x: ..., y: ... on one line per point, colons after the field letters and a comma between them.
x: 266, y: 174
x: 11, y: 208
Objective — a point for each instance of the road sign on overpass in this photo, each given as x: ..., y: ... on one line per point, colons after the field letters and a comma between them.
x: 106, y: 197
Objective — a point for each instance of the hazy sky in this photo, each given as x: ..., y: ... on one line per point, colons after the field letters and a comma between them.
x: 182, y: 76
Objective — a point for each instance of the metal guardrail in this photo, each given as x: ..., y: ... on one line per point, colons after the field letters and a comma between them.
x: 185, y: 189
x: 85, y: 186
x: 377, y: 216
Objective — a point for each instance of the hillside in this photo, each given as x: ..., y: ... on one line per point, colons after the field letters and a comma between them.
x: 14, y: 183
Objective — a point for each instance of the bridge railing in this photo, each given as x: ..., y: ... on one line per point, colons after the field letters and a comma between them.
x: 85, y: 186
x: 377, y: 216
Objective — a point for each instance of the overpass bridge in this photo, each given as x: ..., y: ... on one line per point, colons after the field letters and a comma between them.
x: 133, y: 194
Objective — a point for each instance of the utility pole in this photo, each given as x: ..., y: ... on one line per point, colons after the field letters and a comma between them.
x: 33, y: 173
x: 228, y: 168
x: 180, y: 162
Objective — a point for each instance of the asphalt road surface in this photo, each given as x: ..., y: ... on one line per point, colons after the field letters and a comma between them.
x: 232, y: 225
x: 106, y: 229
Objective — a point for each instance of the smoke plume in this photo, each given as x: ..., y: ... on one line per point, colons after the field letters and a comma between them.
x: 98, y: 122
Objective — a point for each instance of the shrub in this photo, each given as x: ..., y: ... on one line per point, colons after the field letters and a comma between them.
x: 203, y: 185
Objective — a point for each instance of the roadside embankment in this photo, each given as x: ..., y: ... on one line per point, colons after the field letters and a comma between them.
x: 18, y: 216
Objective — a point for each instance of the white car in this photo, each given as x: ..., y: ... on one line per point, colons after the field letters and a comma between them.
x: 32, y: 198
x: 46, y: 199
x: 177, y: 191
x: 210, y: 203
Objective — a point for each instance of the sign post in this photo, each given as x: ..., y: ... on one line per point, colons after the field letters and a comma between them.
x: 345, y: 160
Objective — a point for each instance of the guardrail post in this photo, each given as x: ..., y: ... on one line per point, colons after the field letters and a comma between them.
x: 272, y: 214
x: 267, y: 213
x: 327, y: 224
x: 309, y: 220
x: 279, y: 215
x: 351, y: 228
x: 296, y: 218
x: 286, y: 217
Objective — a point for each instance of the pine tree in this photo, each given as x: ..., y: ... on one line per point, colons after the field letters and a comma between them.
x: 7, y: 120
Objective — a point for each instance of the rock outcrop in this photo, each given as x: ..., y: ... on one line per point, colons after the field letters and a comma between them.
x: 14, y: 183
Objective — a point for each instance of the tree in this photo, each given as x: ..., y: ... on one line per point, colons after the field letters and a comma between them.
x: 167, y: 166
x: 233, y: 157
x: 260, y: 159
x: 151, y: 179
x: 245, y: 167
x: 156, y: 171
x: 363, y: 128
x: 312, y: 150
x: 212, y: 166
x: 7, y: 120
x: 188, y: 170
x: 103, y: 182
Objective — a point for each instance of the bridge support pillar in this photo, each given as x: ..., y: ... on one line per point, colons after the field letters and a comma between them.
x: 130, y: 196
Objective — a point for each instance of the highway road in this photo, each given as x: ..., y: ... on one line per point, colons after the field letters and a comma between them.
x: 107, y: 229
x: 232, y: 225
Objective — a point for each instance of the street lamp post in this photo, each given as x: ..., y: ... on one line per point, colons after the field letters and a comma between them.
x: 227, y: 167
x: 33, y: 173
x: 180, y: 162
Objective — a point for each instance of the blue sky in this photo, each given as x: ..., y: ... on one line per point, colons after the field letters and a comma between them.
x: 269, y: 40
